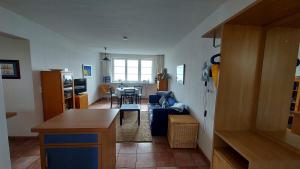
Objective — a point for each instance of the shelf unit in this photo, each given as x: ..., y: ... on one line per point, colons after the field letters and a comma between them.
x: 162, y: 84
x: 57, y: 92
x: 259, y: 48
x: 295, y: 96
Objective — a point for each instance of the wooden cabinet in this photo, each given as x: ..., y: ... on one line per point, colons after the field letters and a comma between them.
x: 296, y: 124
x: 57, y: 92
x: 81, y: 101
x: 79, y: 139
x: 162, y: 85
x: 259, y: 49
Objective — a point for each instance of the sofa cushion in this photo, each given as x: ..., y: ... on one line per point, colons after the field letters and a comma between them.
x: 171, y: 101
x: 161, y: 100
x: 165, y: 104
x: 178, y: 107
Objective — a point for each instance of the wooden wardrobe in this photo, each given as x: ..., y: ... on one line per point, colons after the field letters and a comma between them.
x: 259, y: 50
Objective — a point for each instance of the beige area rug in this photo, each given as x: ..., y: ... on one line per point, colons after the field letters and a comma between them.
x: 130, y: 131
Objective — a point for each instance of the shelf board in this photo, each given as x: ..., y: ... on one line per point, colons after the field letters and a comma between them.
x: 286, y: 139
x: 256, y: 148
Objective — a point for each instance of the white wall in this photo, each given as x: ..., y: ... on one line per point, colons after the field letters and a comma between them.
x: 193, y: 51
x: 47, y: 50
x: 4, y: 150
x: 18, y: 93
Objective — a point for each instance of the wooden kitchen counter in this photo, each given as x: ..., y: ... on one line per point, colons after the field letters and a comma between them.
x: 79, y: 138
x: 79, y: 120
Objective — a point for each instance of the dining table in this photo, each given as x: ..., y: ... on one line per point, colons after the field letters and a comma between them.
x: 120, y: 91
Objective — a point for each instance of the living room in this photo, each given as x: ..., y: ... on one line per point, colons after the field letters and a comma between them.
x: 118, y: 42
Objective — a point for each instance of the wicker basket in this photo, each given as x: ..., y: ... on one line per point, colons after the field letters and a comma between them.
x: 182, y: 131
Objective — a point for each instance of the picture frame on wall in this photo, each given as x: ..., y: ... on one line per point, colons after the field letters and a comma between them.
x: 10, y: 69
x: 180, y: 74
x: 86, y: 70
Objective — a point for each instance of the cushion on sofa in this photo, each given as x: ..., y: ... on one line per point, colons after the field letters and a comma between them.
x: 161, y: 100
x: 165, y: 104
x: 171, y: 101
x: 178, y: 107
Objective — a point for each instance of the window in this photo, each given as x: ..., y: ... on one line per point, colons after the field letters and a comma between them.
x: 146, y: 70
x: 119, y: 69
x: 132, y: 70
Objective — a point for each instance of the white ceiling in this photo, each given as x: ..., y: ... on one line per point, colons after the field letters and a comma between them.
x: 152, y: 26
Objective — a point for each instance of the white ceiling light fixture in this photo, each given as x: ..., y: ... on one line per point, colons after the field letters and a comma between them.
x: 106, y: 56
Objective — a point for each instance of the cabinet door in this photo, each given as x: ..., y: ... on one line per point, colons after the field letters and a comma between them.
x: 72, y: 158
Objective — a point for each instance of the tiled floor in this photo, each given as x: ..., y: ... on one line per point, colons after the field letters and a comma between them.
x: 155, y: 155
x: 158, y: 154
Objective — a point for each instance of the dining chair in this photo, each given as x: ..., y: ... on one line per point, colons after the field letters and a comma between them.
x: 129, y: 95
x: 140, y: 94
x: 104, y: 88
x: 113, y: 97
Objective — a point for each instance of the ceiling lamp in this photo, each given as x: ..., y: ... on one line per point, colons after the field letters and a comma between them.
x: 106, y: 56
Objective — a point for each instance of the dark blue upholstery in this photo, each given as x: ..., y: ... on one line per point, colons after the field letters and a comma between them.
x: 72, y: 158
x: 158, y: 116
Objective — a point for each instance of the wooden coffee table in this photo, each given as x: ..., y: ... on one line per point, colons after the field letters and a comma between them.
x: 130, y: 107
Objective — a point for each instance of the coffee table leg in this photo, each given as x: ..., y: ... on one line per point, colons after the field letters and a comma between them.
x: 139, y: 117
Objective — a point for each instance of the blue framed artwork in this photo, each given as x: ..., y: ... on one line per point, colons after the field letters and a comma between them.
x: 10, y: 69
x: 87, y: 70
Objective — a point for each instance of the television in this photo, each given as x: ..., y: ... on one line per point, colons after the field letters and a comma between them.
x: 80, y: 85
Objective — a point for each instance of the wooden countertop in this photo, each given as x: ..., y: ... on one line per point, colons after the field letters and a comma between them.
x: 254, y: 147
x: 79, y: 120
x: 10, y: 114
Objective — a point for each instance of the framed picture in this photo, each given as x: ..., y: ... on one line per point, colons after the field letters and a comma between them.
x: 180, y: 73
x: 87, y: 70
x: 10, y: 69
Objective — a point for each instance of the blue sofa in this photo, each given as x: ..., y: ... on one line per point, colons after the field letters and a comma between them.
x: 158, y: 116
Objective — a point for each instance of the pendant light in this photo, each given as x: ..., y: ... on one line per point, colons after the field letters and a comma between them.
x: 105, y: 59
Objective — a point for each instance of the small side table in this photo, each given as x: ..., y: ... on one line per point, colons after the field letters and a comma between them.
x: 81, y: 101
x: 182, y: 131
x: 130, y: 107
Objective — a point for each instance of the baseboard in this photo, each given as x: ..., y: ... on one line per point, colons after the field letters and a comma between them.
x: 22, y: 138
